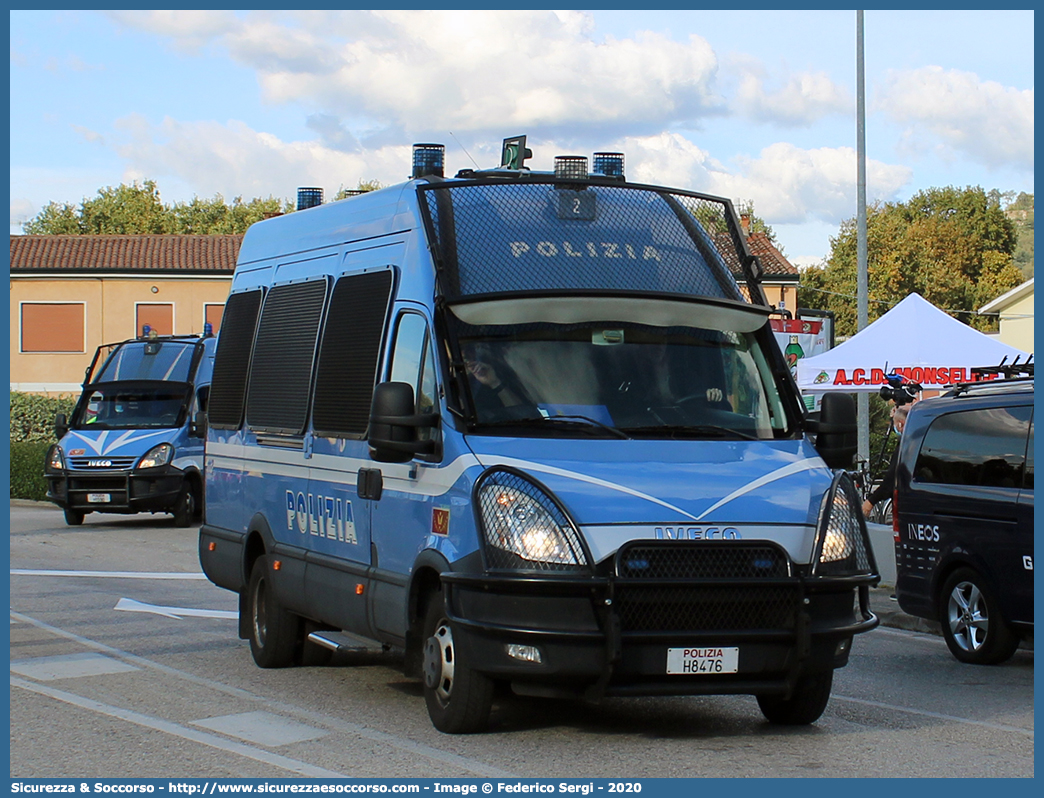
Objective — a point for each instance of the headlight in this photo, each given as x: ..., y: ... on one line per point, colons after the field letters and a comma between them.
x: 523, y: 526
x: 842, y: 543
x: 55, y: 460
x: 157, y: 456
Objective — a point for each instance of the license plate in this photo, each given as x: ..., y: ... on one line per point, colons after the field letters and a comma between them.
x: 698, y: 661
x: 99, y: 498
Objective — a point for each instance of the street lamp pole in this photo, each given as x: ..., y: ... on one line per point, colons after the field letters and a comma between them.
x: 863, y: 404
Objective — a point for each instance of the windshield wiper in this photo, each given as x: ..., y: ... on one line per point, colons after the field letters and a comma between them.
x: 571, y: 420
x: 698, y: 429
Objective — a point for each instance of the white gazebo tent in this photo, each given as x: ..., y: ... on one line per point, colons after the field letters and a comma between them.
x: 915, y: 339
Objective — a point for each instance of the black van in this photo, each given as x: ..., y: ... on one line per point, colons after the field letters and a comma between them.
x: 963, y: 517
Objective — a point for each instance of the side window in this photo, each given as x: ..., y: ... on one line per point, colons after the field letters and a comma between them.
x: 232, y: 359
x: 1027, y: 480
x: 413, y: 362
x: 984, y: 448
x: 349, y: 354
x: 284, y: 355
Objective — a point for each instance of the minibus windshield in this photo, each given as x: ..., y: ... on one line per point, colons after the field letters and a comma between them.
x: 604, y: 379
x: 149, y: 360
x: 139, y: 405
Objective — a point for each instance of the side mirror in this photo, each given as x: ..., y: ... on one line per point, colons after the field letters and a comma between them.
x: 394, y: 423
x: 198, y: 425
x: 837, y: 430
x: 61, y: 426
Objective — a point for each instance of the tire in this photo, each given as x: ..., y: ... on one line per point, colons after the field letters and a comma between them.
x: 186, y: 506
x: 971, y: 620
x: 459, y: 699
x: 805, y: 704
x: 274, y: 631
x: 73, y: 517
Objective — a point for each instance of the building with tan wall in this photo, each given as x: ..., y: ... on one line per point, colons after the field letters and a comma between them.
x: 70, y: 294
x: 1015, y: 309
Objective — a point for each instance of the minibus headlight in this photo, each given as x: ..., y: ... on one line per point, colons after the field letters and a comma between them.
x: 157, y: 456
x: 842, y: 542
x: 523, y: 526
x: 55, y: 460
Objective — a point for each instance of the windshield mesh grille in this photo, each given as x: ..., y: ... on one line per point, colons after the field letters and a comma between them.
x: 545, y: 236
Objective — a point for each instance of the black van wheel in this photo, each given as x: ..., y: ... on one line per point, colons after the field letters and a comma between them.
x: 273, y: 629
x: 185, y: 507
x: 459, y: 699
x: 805, y: 704
x: 971, y: 621
x: 73, y: 517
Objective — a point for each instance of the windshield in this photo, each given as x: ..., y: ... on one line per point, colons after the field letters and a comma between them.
x: 149, y: 360
x: 604, y: 379
x: 132, y: 406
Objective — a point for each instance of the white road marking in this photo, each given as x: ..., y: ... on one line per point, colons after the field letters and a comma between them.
x: 937, y: 715
x: 180, y: 613
x: 177, y: 730
x: 109, y: 574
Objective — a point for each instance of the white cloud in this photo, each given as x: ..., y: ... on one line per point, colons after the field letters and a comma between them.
x: 804, y: 99
x: 232, y: 159
x: 951, y: 111
x: 22, y: 210
x: 460, y: 70
x: 188, y: 29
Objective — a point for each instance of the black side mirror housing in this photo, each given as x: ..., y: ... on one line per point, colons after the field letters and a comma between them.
x: 394, y: 423
x: 198, y: 425
x: 837, y: 429
x: 61, y: 426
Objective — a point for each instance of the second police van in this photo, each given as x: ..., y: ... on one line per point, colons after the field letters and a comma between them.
x: 532, y: 429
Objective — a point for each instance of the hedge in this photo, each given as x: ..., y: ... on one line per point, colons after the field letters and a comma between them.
x: 32, y: 433
x: 27, y: 469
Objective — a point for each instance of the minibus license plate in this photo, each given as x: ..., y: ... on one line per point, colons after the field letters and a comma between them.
x: 99, y: 498
x: 702, y: 660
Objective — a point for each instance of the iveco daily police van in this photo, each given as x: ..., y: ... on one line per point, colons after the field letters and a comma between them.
x: 528, y: 428
x: 134, y: 442
x: 963, y: 516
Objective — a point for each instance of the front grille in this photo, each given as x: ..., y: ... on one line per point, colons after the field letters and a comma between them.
x: 93, y: 463
x: 717, y: 586
x: 95, y: 484
x: 711, y: 560
x: 707, y: 608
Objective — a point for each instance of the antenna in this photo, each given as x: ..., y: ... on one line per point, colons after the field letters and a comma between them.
x: 465, y: 151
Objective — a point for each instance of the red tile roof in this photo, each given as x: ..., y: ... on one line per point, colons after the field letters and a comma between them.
x: 772, y: 261
x: 171, y: 254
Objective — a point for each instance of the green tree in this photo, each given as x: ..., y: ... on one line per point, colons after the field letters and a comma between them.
x: 953, y: 246
x: 362, y: 188
x: 1020, y: 211
x: 137, y: 209
x: 757, y: 224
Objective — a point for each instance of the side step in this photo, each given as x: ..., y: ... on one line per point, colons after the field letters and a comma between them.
x: 345, y: 642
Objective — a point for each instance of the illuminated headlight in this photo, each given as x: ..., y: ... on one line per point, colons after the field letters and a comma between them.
x: 842, y: 546
x: 55, y: 460
x: 157, y: 456
x: 519, y: 519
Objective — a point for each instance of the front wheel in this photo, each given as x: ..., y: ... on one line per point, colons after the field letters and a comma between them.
x: 971, y: 621
x: 459, y: 699
x: 273, y: 629
x: 186, y: 505
x: 805, y: 704
x: 73, y: 517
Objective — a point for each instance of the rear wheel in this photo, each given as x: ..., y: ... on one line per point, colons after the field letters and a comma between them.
x: 805, y: 704
x: 274, y: 631
x: 459, y: 699
x: 971, y: 621
x: 73, y: 517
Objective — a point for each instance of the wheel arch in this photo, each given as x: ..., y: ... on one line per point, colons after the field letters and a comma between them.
x: 426, y: 579
x: 259, y: 541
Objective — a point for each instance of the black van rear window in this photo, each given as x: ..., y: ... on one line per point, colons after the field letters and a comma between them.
x: 985, y: 448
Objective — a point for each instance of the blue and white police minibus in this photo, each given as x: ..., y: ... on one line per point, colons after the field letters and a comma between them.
x: 532, y: 429
x: 134, y: 442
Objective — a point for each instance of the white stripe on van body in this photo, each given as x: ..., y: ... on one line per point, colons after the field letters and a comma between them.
x: 103, y: 446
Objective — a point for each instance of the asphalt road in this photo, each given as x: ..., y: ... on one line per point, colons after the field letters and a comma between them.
x: 104, y: 686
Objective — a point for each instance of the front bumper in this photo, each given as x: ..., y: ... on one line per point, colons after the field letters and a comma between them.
x: 608, y: 634
x: 116, y: 490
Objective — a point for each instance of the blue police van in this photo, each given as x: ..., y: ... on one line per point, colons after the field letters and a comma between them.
x: 533, y: 430
x: 134, y: 442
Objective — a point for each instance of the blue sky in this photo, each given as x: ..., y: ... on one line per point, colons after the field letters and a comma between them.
x: 752, y: 105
